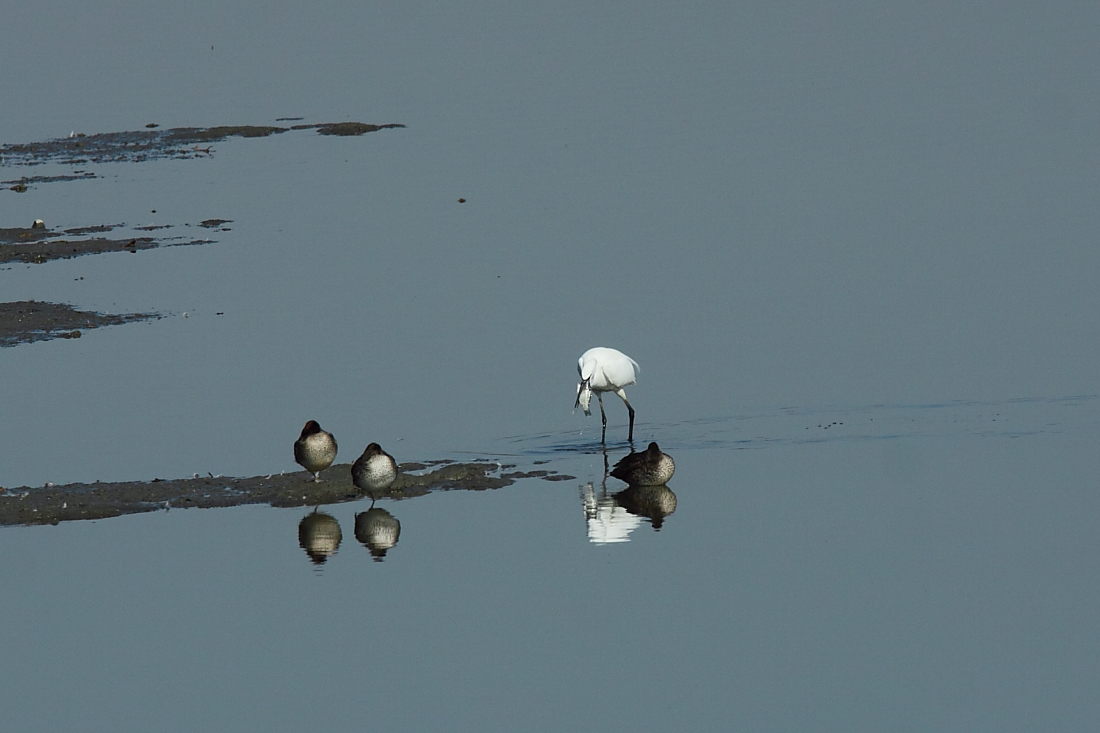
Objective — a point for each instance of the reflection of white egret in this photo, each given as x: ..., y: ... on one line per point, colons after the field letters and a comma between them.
x: 651, y: 467
x: 605, y: 370
x: 607, y: 521
x: 319, y: 535
x: 314, y: 450
x: 378, y: 530
x: 375, y: 470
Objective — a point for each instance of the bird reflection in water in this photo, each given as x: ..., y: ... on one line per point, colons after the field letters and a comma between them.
x: 653, y: 502
x: 378, y: 530
x: 608, y: 522
x: 611, y: 517
x: 319, y: 535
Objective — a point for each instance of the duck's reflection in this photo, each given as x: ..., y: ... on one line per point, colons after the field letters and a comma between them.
x: 319, y: 535
x: 611, y: 517
x: 652, y: 502
x: 378, y: 530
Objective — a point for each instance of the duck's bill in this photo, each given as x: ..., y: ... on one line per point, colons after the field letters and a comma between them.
x: 584, y: 397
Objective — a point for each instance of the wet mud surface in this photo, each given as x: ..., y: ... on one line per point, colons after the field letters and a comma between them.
x: 54, y: 504
x: 25, y: 321
x: 136, y: 146
x: 35, y: 245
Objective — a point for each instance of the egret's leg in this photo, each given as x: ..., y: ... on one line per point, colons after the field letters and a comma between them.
x: 630, y: 433
x: 603, y: 435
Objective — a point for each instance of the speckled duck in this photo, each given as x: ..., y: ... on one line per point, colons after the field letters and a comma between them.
x: 375, y: 470
x: 315, y: 450
x: 651, y: 467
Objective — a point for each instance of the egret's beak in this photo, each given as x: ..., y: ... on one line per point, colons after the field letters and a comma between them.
x: 580, y: 387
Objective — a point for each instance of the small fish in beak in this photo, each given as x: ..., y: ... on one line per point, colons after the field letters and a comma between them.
x: 584, y: 397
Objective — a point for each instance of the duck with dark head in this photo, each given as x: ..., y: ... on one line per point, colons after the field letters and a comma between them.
x: 314, y: 450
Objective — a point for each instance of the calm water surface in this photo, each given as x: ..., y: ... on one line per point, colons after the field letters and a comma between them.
x: 852, y: 248
x: 918, y: 583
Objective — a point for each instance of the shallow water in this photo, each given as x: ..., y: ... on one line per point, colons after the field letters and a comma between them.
x: 853, y: 250
x: 947, y: 581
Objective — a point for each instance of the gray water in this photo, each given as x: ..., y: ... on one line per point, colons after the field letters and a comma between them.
x: 851, y: 246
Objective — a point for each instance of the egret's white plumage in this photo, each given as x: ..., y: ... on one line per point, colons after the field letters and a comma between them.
x: 605, y: 370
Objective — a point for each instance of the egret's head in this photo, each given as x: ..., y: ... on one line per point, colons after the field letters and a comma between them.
x: 586, y: 368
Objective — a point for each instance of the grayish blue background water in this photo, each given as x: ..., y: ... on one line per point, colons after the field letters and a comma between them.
x: 847, y: 210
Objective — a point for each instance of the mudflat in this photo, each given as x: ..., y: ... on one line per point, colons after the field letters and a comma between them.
x: 53, y: 504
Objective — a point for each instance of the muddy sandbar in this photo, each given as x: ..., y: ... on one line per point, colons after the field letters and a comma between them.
x: 148, y: 144
x: 53, y: 504
x: 25, y: 321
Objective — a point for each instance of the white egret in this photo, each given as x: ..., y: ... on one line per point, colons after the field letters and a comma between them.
x: 651, y: 467
x: 605, y: 370
x: 314, y: 450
